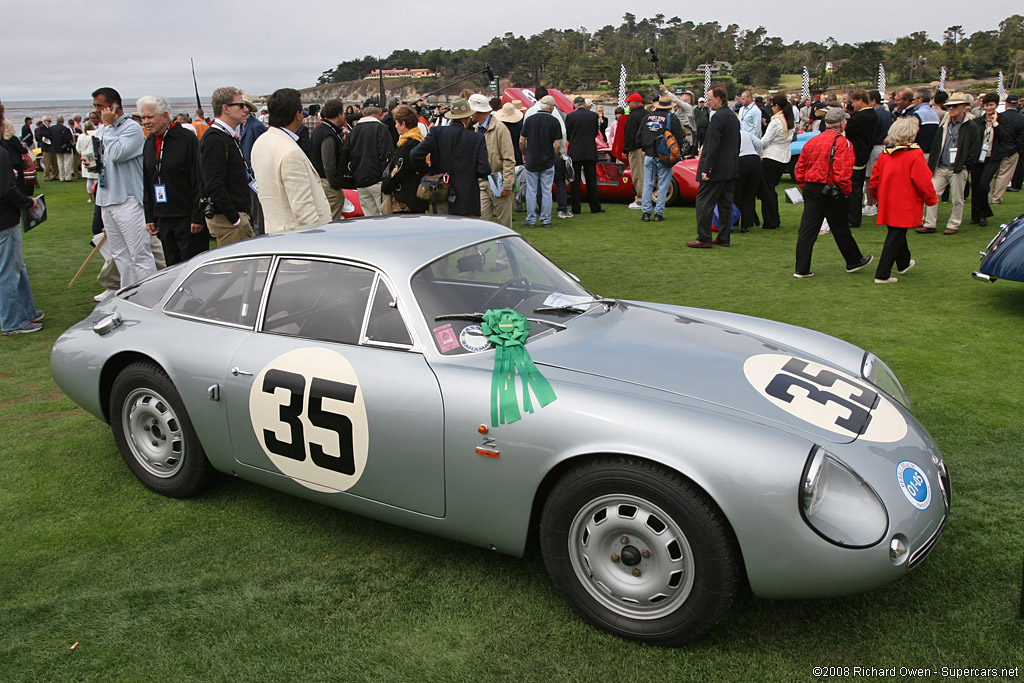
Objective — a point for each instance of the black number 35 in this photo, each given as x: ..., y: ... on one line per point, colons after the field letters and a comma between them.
x: 859, y: 404
x: 290, y: 412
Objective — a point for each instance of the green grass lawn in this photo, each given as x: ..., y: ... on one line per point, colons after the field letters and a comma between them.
x: 243, y: 583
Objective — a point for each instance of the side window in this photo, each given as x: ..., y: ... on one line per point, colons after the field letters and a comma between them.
x: 227, y: 292
x: 148, y: 293
x: 385, y: 323
x: 318, y: 300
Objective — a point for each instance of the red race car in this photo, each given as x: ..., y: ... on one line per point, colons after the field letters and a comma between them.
x: 614, y: 182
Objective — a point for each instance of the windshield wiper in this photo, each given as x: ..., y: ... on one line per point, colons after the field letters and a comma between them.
x: 479, y: 317
x: 576, y: 307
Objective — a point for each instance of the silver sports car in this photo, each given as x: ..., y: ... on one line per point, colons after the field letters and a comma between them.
x: 440, y: 374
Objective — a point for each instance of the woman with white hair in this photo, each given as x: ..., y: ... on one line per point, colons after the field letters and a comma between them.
x: 902, y: 182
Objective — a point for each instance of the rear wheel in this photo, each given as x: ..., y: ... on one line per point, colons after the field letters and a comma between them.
x: 673, y: 193
x: 639, y: 551
x: 154, y: 434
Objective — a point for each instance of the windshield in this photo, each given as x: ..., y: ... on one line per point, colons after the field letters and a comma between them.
x: 501, y: 273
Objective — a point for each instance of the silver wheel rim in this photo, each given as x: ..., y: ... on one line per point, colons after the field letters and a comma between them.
x: 631, y: 556
x: 153, y: 432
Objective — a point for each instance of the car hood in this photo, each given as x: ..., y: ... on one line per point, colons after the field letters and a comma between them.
x: 725, y: 368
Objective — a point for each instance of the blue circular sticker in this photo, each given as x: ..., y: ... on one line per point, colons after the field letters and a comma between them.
x: 473, y: 339
x: 914, y: 484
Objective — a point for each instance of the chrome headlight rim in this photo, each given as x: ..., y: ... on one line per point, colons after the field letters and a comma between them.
x: 811, y: 477
x: 874, y: 370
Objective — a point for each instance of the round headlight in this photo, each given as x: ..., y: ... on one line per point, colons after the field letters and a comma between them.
x: 839, y: 505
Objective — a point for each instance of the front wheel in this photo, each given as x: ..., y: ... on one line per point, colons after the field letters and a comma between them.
x: 639, y: 551
x: 154, y: 434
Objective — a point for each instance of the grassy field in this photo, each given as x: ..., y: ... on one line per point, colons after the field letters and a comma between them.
x: 243, y: 583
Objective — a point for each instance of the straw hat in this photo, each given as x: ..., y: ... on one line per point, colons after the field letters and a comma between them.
x: 509, y: 113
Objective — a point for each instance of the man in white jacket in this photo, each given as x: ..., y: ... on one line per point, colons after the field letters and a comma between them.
x: 287, y: 184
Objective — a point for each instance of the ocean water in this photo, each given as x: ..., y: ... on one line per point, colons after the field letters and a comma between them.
x: 16, y: 110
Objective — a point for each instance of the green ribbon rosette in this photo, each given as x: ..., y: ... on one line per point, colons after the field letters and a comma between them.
x: 508, y: 330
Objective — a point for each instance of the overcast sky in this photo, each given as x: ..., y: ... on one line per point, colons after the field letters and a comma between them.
x: 261, y: 46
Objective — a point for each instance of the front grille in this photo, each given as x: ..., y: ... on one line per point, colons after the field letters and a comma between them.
x: 917, y: 557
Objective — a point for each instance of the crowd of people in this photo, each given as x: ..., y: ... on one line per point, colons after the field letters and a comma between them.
x: 165, y: 184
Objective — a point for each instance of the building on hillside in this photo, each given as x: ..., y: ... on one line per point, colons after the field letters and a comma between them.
x: 717, y: 68
x: 400, y: 73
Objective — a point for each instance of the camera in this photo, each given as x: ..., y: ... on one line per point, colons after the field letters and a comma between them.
x: 208, y: 207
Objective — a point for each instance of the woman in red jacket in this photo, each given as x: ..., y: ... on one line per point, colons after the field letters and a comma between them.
x: 902, y: 182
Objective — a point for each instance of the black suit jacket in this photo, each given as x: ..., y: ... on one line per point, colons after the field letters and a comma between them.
x: 179, y: 172
x: 581, y: 131
x: 720, y: 157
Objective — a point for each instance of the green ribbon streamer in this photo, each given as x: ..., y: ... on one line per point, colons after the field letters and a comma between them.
x: 508, y: 330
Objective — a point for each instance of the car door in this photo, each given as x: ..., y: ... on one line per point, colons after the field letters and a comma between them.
x: 332, y: 393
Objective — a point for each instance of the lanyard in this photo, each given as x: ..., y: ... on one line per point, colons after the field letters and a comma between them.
x: 161, y: 143
x: 222, y: 127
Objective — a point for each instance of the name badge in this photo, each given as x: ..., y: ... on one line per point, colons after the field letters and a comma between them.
x: 103, y: 177
x: 952, y: 154
x: 252, y: 185
x: 160, y: 192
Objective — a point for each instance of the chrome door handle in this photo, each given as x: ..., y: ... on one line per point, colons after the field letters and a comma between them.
x: 236, y: 372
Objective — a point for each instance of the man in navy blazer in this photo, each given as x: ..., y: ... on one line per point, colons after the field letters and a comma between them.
x: 717, y: 172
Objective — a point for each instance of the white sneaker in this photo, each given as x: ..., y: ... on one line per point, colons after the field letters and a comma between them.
x: 869, y: 210
x: 104, y: 295
x: 909, y: 266
x: 635, y: 205
x: 887, y: 281
x: 825, y: 228
x: 565, y: 214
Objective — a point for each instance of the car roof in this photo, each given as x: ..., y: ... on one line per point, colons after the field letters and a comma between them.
x: 399, y: 245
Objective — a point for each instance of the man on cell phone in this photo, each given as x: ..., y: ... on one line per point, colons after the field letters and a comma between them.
x: 120, y: 190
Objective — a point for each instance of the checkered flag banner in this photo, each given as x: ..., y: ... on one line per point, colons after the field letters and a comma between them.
x: 942, y: 78
x: 1000, y: 89
x: 805, y: 88
x: 707, y: 80
x: 881, y: 80
x: 622, y: 85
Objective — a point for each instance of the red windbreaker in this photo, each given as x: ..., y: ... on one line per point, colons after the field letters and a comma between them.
x: 813, y: 167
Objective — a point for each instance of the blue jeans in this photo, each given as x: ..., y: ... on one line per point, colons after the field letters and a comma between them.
x: 657, y: 176
x: 542, y: 179
x: 17, y: 307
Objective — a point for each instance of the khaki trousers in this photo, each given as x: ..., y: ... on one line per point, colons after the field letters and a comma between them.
x: 225, y: 233
x: 1003, y: 176
x: 51, y: 172
x: 336, y: 198
x: 943, y: 178
x: 636, y: 170
x: 498, y: 209
x: 369, y: 200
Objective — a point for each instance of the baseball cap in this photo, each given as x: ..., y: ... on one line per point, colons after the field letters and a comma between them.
x: 580, y: 100
x: 834, y: 115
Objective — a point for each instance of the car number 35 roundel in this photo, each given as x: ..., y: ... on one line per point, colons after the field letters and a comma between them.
x: 308, y: 414
x: 825, y: 397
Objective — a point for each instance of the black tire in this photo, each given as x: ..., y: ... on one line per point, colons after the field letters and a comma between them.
x: 154, y: 433
x: 663, y: 571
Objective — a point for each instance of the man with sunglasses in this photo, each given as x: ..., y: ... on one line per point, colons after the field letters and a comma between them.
x: 225, y: 177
